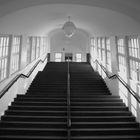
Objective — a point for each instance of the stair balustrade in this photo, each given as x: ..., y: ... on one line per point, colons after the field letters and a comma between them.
x: 116, y: 76
x: 68, y: 101
x: 18, y: 76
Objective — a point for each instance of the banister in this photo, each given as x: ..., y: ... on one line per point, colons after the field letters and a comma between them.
x: 9, y: 85
x: 68, y: 103
x: 131, y: 91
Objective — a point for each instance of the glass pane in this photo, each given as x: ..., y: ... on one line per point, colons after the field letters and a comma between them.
x: 4, y: 44
x: 58, y: 57
x: 78, y: 57
x: 15, y: 54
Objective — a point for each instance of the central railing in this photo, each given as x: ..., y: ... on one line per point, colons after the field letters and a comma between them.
x: 68, y: 103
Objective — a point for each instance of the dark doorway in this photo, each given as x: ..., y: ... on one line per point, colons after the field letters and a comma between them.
x: 68, y: 56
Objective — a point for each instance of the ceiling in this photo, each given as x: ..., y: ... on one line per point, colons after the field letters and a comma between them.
x: 82, y: 16
x: 128, y: 7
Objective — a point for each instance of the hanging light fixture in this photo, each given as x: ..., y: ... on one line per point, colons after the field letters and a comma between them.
x: 69, y: 28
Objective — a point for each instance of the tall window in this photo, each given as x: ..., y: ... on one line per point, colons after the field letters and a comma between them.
x: 44, y: 44
x: 28, y: 50
x: 4, y: 44
x: 103, y: 52
x: 37, y: 47
x: 78, y: 57
x: 134, y: 61
x: 122, y: 68
x: 108, y: 54
x: 121, y: 56
x: 58, y: 57
x: 15, y: 54
x: 93, y: 51
x: 33, y: 50
x: 134, y: 57
x: 99, y: 48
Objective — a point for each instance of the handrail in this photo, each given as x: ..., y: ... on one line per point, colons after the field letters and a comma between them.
x: 9, y: 85
x: 68, y: 103
x: 131, y: 91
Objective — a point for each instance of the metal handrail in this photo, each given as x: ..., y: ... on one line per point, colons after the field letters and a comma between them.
x: 68, y: 103
x: 9, y: 85
x: 131, y: 91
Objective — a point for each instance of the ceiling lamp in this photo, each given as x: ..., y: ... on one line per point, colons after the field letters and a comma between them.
x: 69, y: 28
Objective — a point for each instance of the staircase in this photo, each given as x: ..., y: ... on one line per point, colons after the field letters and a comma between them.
x: 96, y: 114
x: 42, y: 113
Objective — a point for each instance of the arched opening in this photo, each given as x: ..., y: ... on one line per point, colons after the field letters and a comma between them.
x: 62, y: 47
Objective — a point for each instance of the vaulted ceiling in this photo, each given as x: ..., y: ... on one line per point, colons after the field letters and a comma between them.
x: 83, y: 17
x: 129, y: 7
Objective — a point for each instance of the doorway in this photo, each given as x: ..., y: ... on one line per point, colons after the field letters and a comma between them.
x: 68, y: 57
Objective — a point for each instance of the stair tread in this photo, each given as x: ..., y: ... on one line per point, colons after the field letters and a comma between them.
x: 16, y: 122
x: 73, y: 123
x: 33, y: 137
x: 34, y: 129
x: 103, y: 117
x: 38, y: 102
x: 104, y: 129
x: 35, y: 111
x: 102, y: 137
x: 19, y: 106
x: 104, y: 123
x: 22, y: 116
x: 65, y: 111
x: 71, y: 106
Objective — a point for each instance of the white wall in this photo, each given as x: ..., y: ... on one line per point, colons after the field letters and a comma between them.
x: 59, y: 43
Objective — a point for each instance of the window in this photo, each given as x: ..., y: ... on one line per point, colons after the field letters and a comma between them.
x: 134, y: 63
x: 108, y: 55
x: 4, y: 44
x: 41, y: 46
x: 134, y: 70
x: 44, y: 44
x: 122, y: 68
x: 93, y: 51
x: 99, y: 48
x: 37, y: 47
x: 78, y: 57
x: 58, y: 57
x: 134, y: 57
x: 133, y: 47
x: 103, y: 52
x: 33, y: 50
x: 121, y: 57
x: 120, y: 45
x: 28, y: 50
x: 15, y: 54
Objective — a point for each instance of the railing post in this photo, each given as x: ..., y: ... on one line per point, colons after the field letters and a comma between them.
x: 68, y: 104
